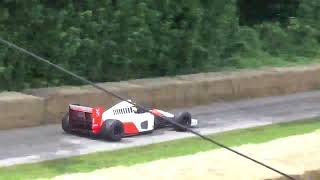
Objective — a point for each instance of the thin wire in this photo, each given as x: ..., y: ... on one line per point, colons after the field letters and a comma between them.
x: 139, y: 106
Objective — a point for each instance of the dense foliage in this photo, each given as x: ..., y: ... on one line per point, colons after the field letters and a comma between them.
x: 110, y: 40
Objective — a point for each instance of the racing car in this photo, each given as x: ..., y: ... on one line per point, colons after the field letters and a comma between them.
x: 121, y: 120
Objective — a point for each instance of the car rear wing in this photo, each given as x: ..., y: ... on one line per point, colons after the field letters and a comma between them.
x: 85, y: 118
x: 79, y: 108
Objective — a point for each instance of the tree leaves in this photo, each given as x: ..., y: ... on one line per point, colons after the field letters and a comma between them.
x: 112, y: 40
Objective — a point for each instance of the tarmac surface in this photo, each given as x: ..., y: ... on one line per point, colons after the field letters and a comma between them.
x: 48, y: 142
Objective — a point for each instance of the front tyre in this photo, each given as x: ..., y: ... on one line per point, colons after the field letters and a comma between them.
x: 112, y: 130
x: 183, y: 119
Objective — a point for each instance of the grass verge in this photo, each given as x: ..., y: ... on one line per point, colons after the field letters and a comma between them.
x: 152, y: 152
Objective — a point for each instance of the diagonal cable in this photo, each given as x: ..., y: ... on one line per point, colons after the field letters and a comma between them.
x: 143, y: 108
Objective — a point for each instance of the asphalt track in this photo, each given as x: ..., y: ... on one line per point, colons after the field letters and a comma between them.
x: 50, y: 142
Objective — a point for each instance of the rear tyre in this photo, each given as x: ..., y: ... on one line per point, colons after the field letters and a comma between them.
x: 183, y: 119
x: 65, y: 123
x: 112, y: 130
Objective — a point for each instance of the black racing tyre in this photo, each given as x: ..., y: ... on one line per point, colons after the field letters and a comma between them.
x: 65, y: 123
x: 183, y: 119
x: 112, y: 130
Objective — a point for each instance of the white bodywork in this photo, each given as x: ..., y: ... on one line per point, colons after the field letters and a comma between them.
x: 194, y: 122
x: 123, y: 112
x: 126, y: 112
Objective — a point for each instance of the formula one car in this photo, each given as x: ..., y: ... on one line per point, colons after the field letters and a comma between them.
x: 121, y: 120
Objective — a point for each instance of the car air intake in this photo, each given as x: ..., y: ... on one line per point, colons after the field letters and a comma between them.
x: 144, y: 125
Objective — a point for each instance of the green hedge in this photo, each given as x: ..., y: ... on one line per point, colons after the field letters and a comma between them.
x: 110, y: 40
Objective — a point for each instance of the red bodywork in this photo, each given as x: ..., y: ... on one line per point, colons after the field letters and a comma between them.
x: 86, y: 119
x: 97, y: 119
x: 130, y: 129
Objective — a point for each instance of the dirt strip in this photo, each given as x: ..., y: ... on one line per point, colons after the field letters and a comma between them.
x: 294, y: 155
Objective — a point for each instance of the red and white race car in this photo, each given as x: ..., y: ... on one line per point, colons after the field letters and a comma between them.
x: 121, y: 120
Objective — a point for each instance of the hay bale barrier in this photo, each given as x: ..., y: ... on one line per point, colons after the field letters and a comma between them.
x: 172, y: 92
x: 19, y: 110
